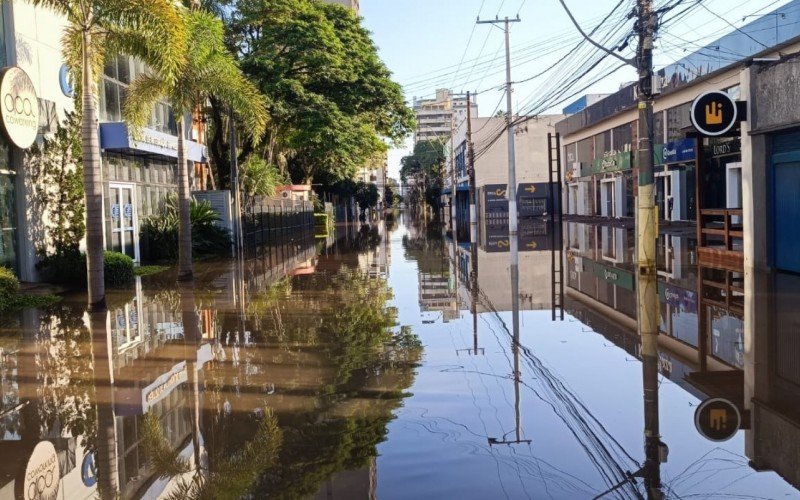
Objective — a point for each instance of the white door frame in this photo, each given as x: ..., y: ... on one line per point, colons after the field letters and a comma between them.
x: 666, y: 175
x: 604, y: 183
x: 113, y: 189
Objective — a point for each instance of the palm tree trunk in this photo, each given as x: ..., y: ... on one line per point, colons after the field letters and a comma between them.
x: 93, y: 183
x: 184, y: 198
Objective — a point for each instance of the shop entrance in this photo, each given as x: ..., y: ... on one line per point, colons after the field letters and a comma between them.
x: 122, y: 220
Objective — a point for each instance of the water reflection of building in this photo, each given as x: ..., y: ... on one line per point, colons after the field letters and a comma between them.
x: 693, y: 318
x: 706, y: 346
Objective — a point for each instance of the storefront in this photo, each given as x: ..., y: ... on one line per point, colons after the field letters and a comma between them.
x: 139, y: 174
x: 676, y: 180
x: 613, y: 184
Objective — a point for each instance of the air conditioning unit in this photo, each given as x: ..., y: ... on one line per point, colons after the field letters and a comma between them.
x: 286, y: 195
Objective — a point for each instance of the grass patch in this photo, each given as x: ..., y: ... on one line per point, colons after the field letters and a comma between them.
x: 149, y: 270
x: 20, y: 301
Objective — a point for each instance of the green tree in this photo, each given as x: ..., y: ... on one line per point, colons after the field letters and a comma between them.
x: 367, y: 195
x: 58, y: 191
x: 331, y: 101
x: 424, y: 166
x: 97, y: 30
x: 208, y: 69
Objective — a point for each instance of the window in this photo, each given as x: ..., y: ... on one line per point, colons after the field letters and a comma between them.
x: 677, y: 121
x: 623, y: 138
x: 117, y: 75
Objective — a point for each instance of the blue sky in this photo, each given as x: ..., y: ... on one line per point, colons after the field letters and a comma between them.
x: 423, y: 42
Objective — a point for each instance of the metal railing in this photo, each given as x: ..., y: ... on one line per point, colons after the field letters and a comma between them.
x: 269, y: 222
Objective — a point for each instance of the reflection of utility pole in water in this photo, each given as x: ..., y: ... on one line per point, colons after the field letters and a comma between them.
x: 514, y: 269
x: 473, y: 288
x: 655, y: 451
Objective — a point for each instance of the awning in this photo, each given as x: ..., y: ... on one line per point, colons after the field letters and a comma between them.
x: 114, y: 136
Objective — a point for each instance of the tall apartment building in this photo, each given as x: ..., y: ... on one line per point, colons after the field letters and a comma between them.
x: 351, y: 4
x: 436, y: 117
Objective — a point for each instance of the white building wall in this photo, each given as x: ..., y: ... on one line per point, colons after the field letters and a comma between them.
x: 491, y: 165
x: 33, y: 40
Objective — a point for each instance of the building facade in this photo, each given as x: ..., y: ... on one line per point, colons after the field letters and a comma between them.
x: 138, y: 173
x: 438, y: 116
x: 491, y: 170
x: 350, y: 4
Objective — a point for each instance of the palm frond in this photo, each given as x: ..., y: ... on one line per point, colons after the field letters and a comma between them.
x: 153, y: 30
x: 142, y: 94
x: 159, y: 453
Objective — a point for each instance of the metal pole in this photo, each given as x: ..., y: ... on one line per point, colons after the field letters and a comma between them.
x: 512, y: 167
x: 237, y: 204
x: 512, y: 172
x: 473, y: 216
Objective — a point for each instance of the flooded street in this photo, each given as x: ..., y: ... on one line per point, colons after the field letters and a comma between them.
x: 381, y: 363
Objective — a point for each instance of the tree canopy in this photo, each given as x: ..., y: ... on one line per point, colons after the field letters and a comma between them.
x: 331, y: 101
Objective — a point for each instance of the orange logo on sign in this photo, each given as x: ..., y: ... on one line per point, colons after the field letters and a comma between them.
x: 714, y: 113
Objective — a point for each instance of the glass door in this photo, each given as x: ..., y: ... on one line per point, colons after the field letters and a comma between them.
x: 8, y: 223
x: 122, y: 220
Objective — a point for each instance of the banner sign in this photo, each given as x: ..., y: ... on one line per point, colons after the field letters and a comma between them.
x: 115, y: 136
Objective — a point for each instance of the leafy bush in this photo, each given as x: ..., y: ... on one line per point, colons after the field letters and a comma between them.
x: 9, y: 286
x: 10, y: 298
x: 161, y: 231
x: 65, y: 267
x: 118, y: 268
x: 69, y: 268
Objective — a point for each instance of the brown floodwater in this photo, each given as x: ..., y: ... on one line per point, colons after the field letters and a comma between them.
x: 391, y: 361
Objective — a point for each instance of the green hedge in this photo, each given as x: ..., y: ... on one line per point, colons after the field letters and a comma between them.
x: 9, y: 286
x: 118, y: 268
x: 69, y: 268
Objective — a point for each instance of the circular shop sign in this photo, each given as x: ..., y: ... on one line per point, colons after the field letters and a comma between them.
x: 19, y: 107
x: 717, y: 419
x: 64, y: 81
x: 714, y: 113
x: 43, y: 473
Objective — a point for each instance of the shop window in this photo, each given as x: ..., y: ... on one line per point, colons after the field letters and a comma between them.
x: 658, y: 127
x: 602, y: 143
x: 623, y: 138
x: 677, y: 121
x: 585, y: 150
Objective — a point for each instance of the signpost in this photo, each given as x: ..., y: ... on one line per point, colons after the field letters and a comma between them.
x: 717, y: 419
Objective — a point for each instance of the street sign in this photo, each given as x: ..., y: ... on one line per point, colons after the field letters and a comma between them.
x: 714, y: 113
x: 717, y: 419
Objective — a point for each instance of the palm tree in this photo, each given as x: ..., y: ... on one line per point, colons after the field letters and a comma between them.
x: 209, y: 69
x: 97, y: 30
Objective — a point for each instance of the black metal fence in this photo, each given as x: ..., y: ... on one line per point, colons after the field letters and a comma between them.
x: 270, y: 223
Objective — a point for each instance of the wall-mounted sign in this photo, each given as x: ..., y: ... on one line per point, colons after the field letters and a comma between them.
x: 714, y: 113
x: 115, y: 136
x: 717, y: 419
x: 63, y: 81
x: 19, y: 107
x: 89, y: 470
x: 615, y: 276
x: 43, y: 472
x: 164, y: 385
x: 677, y: 152
x: 612, y: 161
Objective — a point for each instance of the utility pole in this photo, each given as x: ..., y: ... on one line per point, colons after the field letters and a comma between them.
x: 512, y: 172
x: 646, y: 235
x: 473, y: 215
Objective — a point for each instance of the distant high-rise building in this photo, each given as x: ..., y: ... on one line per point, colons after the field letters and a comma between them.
x: 351, y: 4
x: 438, y: 116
